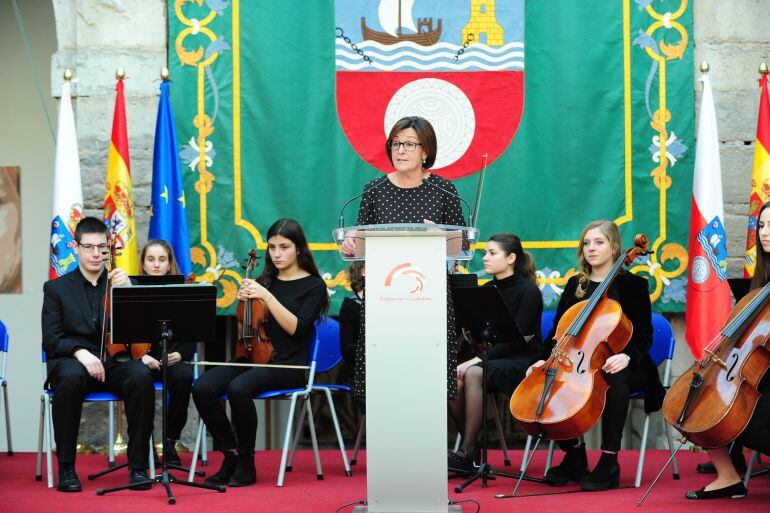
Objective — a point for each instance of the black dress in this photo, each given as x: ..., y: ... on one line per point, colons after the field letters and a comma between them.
x: 506, y: 367
x: 387, y: 203
x: 350, y: 323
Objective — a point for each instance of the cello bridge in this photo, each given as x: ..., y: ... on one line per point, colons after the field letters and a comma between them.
x: 716, y: 359
x: 562, y: 357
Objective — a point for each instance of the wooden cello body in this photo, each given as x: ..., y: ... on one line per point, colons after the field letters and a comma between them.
x: 565, y: 397
x: 253, y: 343
x: 712, y: 403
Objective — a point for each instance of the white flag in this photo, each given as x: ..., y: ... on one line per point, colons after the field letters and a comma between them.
x: 67, y: 191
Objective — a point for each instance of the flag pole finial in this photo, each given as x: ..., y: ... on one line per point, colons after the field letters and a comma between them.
x: 120, y: 74
x: 67, y: 74
x: 164, y: 74
x: 704, y: 67
x: 763, y: 68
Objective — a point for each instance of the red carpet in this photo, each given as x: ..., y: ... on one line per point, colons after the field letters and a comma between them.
x: 19, y: 492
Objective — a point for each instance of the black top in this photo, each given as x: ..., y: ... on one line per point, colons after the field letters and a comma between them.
x: 304, y: 298
x: 388, y: 203
x: 350, y: 324
x: 72, y: 314
x: 523, y: 299
x: 633, y: 294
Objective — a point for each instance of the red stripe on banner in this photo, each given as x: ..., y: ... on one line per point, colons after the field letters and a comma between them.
x: 763, y: 122
x: 119, y: 132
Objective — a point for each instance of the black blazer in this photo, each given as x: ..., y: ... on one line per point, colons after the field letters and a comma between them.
x: 67, y: 319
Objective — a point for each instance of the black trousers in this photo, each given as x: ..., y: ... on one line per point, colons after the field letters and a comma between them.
x: 241, y: 385
x: 622, y: 385
x: 179, y: 385
x: 131, y: 381
x: 756, y: 436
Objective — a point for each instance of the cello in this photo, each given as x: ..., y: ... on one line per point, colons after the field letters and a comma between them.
x: 565, y: 397
x: 253, y: 343
x: 712, y: 403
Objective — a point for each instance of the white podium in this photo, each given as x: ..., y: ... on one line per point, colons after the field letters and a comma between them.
x: 406, y: 360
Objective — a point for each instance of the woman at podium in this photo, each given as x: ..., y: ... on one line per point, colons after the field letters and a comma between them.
x: 296, y: 296
x: 513, y: 274
x: 410, y: 194
x: 157, y: 259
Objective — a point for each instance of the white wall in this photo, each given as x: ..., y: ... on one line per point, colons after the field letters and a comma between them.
x: 25, y: 140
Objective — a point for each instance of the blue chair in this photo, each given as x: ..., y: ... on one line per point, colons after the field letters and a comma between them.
x: 662, y: 350
x: 324, y: 355
x: 45, y: 430
x: 4, y: 383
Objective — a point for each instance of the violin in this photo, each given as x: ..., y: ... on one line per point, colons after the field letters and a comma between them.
x: 713, y: 401
x: 120, y: 352
x: 566, y: 396
x: 253, y: 343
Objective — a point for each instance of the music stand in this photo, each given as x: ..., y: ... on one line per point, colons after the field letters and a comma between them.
x: 149, y: 312
x: 482, y: 311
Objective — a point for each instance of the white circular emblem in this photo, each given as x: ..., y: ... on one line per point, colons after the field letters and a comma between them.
x: 700, y: 269
x: 445, y: 106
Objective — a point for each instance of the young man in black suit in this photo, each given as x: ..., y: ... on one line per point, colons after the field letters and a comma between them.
x: 73, y: 307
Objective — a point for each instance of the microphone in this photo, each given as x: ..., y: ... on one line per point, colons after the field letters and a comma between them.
x: 380, y: 181
x: 452, y: 194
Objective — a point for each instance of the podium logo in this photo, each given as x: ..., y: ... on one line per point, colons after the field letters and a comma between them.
x: 406, y: 271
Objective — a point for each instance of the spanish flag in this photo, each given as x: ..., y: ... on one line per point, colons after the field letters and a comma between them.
x: 119, y: 196
x: 760, y: 178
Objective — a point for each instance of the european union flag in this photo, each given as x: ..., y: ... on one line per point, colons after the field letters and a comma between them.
x: 168, y: 219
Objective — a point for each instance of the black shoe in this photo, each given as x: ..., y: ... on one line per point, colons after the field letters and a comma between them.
x: 739, y: 462
x: 245, y: 472
x: 225, y: 472
x: 573, y: 467
x: 460, y: 461
x: 172, y: 457
x: 605, y: 476
x: 68, y: 479
x: 734, y: 491
x: 140, y: 476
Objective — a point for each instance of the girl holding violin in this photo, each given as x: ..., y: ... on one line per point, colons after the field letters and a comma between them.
x: 157, y: 259
x: 295, y: 296
x: 626, y: 372
x: 756, y: 436
x: 513, y: 274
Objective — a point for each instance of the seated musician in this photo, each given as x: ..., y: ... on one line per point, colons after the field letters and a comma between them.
x: 627, y: 372
x: 513, y: 273
x: 72, y: 321
x: 157, y: 259
x: 296, y: 296
x: 756, y: 436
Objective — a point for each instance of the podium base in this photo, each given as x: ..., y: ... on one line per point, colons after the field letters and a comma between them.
x: 453, y: 508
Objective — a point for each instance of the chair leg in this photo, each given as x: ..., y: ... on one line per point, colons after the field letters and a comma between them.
x: 111, y: 437
x: 49, y: 441
x: 749, y: 467
x: 361, y: 427
x: 524, y: 458
x: 295, y: 438
x: 7, y: 419
x: 204, y: 448
x: 286, y: 437
x: 642, y: 449
x: 458, y: 441
x: 670, y: 440
x: 39, y: 462
x: 311, y: 423
x: 194, y: 461
x: 549, y: 458
x: 336, y: 423
x: 500, y: 435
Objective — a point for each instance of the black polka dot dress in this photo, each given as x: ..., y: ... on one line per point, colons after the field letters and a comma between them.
x: 387, y: 203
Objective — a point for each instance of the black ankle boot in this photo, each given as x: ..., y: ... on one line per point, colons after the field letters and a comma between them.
x: 573, y: 467
x: 245, y: 472
x: 226, y: 471
x: 606, y: 475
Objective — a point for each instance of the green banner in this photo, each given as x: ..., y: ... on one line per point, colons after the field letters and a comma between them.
x: 606, y: 132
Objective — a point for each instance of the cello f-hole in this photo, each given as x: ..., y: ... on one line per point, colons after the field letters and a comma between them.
x: 579, y: 369
x: 734, y: 358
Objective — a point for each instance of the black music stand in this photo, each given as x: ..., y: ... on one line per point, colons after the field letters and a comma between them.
x: 149, y: 313
x: 482, y: 311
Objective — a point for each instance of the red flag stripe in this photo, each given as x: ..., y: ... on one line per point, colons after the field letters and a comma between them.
x: 119, y: 131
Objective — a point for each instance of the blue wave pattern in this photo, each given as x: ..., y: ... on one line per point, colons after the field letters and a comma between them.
x: 408, y: 56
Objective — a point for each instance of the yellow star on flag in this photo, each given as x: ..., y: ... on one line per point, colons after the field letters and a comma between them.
x: 181, y: 199
x: 164, y: 194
